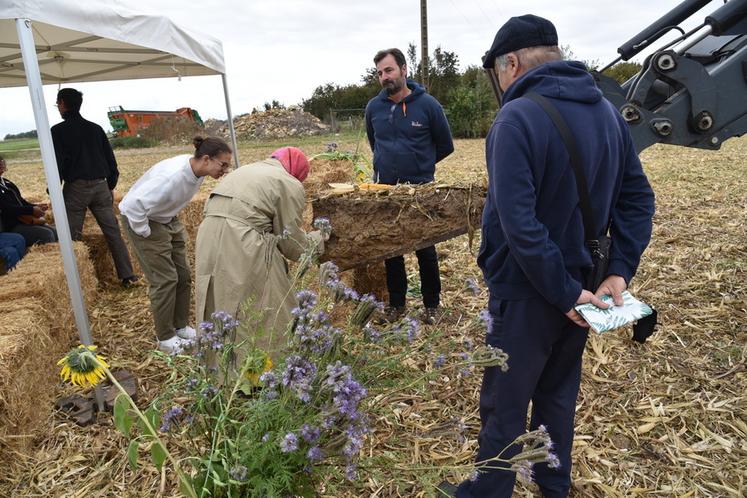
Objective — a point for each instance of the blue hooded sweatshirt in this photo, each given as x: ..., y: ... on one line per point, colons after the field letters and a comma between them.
x: 408, y: 137
x: 532, y: 228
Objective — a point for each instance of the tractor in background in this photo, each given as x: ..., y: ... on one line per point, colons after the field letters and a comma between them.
x: 128, y: 123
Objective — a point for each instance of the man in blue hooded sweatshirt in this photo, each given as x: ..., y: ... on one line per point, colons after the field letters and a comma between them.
x: 409, y: 134
x: 533, y: 252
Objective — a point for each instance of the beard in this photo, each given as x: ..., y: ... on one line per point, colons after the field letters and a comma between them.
x: 393, y: 86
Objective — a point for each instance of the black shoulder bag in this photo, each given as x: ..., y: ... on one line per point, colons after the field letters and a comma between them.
x: 599, y: 246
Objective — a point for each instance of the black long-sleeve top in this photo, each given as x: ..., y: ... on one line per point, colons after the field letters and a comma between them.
x: 12, y: 204
x: 83, y: 151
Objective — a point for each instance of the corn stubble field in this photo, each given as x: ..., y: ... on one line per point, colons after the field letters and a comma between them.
x: 668, y: 418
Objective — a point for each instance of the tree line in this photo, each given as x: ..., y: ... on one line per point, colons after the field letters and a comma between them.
x: 465, y: 95
x: 25, y: 134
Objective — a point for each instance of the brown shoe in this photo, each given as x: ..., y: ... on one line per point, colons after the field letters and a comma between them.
x: 431, y: 316
x: 392, y: 314
x: 132, y: 281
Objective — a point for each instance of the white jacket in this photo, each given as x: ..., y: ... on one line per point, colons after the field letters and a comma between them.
x: 160, y: 194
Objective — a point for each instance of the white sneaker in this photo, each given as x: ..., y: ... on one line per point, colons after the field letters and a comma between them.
x: 187, y: 333
x: 175, y: 345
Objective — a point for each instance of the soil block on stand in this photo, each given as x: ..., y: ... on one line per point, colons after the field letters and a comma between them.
x: 373, y: 225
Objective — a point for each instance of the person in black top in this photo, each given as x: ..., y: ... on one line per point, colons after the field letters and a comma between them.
x: 20, y: 216
x: 89, y: 171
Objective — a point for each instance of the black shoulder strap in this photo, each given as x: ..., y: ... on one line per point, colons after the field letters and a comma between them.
x: 570, y: 144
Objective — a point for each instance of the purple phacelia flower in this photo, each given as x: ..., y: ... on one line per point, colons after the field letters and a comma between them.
x: 298, y: 375
x: 471, y: 284
x: 411, y: 328
x: 310, y: 434
x: 209, y: 391
x: 269, y: 379
x: 371, y: 334
x: 306, y: 299
x: 315, y: 454
x: 289, y: 443
x: 323, y: 225
x: 351, y: 472
x: 439, y: 361
x: 171, y: 416
x: 487, y: 320
x: 524, y: 471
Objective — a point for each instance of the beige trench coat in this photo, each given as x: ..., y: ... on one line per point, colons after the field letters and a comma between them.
x: 240, y: 250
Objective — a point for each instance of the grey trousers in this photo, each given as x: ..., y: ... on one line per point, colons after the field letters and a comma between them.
x: 163, y: 258
x: 36, y: 234
x: 96, y: 196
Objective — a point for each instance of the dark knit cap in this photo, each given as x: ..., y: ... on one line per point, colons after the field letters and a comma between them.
x: 520, y: 32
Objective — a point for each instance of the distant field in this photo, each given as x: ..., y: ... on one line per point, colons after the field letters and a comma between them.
x: 18, y: 147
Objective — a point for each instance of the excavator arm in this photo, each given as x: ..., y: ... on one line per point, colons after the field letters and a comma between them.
x: 690, y: 92
x: 693, y: 91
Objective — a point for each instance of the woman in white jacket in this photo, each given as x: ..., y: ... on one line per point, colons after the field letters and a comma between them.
x: 149, y: 212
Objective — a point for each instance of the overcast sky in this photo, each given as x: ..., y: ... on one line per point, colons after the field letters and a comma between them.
x: 284, y: 49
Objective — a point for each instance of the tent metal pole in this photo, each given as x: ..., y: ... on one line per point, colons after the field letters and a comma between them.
x: 33, y: 78
x: 230, y: 121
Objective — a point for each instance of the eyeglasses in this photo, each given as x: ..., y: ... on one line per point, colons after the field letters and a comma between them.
x: 223, y: 164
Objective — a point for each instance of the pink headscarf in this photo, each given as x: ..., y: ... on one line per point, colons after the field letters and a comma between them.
x: 294, y: 161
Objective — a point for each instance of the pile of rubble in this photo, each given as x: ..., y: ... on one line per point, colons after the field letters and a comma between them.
x: 273, y: 123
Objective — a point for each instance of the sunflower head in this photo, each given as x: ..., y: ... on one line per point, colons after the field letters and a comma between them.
x: 259, y: 363
x: 83, y: 367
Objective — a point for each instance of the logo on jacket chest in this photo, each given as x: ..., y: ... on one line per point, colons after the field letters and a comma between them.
x: 416, y: 124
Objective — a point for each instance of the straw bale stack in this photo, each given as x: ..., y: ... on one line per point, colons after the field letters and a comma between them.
x: 100, y: 256
x: 25, y: 331
x: 191, y: 217
x: 37, y: 328
x: 102, y: 260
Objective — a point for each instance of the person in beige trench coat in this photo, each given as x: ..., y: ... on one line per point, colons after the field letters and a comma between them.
x: 252, y: 224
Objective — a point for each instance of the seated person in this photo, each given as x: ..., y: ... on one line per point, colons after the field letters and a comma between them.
x: 20, y: 216
x: 12, y: 249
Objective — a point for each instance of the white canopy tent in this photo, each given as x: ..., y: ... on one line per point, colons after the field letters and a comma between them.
x: 61, y: 41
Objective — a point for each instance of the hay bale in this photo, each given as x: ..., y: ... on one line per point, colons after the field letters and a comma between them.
x: 38, y: 327
x: 191, y: 217
x: 27, y: 360
x: 41, y: 276
x: 100, y: 256
x: 370, y: 226
x: 56, y: 295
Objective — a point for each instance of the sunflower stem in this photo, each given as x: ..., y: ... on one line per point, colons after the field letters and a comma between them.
x: 182, y: 477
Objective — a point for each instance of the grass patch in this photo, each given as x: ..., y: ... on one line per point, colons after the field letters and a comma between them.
x: 12, y: 148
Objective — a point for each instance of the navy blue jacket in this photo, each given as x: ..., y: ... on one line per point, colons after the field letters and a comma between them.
x: 407, y: 138
x: 532, y: 229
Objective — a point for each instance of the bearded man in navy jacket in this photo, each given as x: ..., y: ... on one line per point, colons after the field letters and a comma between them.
x: 533, y: 255
x: 409, y: 134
